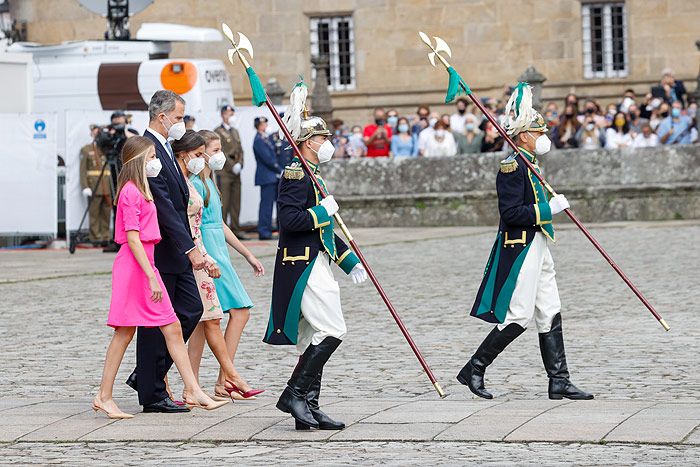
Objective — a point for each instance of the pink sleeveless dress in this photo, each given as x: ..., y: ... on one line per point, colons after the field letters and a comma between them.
x: 131, y: 303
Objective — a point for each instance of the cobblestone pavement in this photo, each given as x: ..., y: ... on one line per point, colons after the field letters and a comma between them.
x: 362, y: 453
x: 645, y: 380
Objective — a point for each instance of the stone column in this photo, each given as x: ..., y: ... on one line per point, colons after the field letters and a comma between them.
x: 535, y: 79
x: 320, y: 98
x: 274, y: 91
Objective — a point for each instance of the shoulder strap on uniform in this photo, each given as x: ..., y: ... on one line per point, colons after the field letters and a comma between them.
x: 509, y: 165
x: 294, y: 171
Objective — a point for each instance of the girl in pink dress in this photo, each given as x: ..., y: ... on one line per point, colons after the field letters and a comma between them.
x: 137, y: 288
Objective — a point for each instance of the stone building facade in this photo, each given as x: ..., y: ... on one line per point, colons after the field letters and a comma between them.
x: 593, y: 48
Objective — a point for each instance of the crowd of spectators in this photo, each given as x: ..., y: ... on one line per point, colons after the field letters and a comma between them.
x: 665, y: 115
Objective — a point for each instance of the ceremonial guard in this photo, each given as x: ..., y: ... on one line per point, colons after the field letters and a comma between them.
x: 97, y: 191
x: 306, y: 309
x: 230, y: 175
x: 519, y: 282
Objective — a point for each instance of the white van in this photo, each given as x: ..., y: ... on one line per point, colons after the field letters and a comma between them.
x: 82, y: 82
x: 111, y: 75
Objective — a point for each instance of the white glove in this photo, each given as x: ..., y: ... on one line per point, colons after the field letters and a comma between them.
x: 330, y: 205
x: 236, y: 169
x: 358, y: 274
x: 558, y: 203
x: 87, y: 192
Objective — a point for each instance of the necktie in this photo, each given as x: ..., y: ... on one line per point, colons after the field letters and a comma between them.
x: 170, y: 151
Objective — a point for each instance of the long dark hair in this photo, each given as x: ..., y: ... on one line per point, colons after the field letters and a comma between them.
x: 208, y: 137
x: 190, y: 140
x: 625, y: 127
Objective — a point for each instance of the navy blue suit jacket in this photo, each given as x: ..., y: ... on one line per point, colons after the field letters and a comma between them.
x: 171, y: 195
x: 268, y: 169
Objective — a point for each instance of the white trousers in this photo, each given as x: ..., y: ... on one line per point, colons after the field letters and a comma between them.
x: 321, y: 313
x: 536, y: 294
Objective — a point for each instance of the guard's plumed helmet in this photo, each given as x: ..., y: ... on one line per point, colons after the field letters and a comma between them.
x: 312, y: 126
x: 519, y: 114
x: 300, y: 125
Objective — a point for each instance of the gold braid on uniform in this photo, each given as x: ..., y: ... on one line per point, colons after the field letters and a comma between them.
x: 293, y: 172
x: 509, y: 166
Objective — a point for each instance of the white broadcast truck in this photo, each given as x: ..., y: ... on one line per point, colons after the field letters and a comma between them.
x: 81, y: 83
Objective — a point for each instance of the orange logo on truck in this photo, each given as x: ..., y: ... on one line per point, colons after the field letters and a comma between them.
x: 179, y: 77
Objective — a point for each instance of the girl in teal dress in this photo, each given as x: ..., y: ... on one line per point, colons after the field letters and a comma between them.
x: 217, y: 237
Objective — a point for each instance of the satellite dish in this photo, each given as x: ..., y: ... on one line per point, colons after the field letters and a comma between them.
x: 117, y: 13
x: 100, y: 6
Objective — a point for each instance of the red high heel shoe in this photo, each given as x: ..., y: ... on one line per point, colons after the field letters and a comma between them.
x: 244, y: 395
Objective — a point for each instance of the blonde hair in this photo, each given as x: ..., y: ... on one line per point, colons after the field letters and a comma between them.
x: 134, y: 166
x: 209, y: 136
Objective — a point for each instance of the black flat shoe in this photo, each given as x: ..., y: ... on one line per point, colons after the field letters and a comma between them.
x: 165, y: 406
x: 131, y: 381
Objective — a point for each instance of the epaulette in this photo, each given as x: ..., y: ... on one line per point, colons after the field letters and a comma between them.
x: 509, y: 165
x: 293, y: 171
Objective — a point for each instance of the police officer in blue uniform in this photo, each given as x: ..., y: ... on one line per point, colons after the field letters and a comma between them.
x: 267, y: 174
x: 519, y: 283
x: 306, y: 309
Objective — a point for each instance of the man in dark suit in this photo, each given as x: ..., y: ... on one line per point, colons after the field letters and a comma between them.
x: 267, y: 174
x: 175, y: 256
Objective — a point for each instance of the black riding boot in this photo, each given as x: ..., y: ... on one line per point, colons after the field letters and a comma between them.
x: 293, y: 399
x: 324, y: 421
x: 472, y: 375
x: 554, y: 359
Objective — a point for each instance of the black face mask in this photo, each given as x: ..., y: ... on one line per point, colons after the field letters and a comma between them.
x: 379, y: 121
x: 590, y: 111
x: 461, y: 111
x: 634, y: 115
x: 664, y: 114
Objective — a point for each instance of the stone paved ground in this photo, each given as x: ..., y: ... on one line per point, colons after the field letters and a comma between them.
x: 646, y: 381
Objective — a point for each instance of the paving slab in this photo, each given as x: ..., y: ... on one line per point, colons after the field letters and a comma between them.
x: 496, y: 420
x: 158, y: 427
x: 662, y: 423
x: 693, y: 437
x: 10, y: 433
x: 236, y: 429
x: 428, y: 412
x: 365, y: 406
x: 588, y: 421
x: 382, y: 432
x: 69, y: 429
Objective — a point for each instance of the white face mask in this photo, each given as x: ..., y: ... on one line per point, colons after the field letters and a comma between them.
x: 195, y: 165
x: 432, y: 122
x: 177, y: 130
x: 232, y: 120
x: 542, y: 145
x: 325, y: 152
x: 217, y: 161
x: 440, y: 132
x: 153, y: 168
